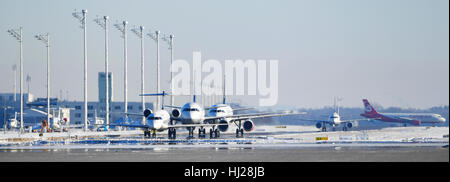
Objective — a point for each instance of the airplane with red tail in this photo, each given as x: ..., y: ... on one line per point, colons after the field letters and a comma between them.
x: 405, y: 118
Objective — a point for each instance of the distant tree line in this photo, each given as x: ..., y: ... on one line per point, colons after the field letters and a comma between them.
x: 353, y: 113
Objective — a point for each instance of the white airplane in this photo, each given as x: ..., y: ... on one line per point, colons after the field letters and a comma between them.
x: 224, y: 114
x: 220, y: 115
x: 335, y: 120
x: 161, y: 120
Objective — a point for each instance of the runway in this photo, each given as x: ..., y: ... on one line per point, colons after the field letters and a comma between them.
x: 265, y: 144
x: 231, y: 154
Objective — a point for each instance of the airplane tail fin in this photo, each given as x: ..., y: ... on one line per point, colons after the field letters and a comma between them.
x: 368, y: 108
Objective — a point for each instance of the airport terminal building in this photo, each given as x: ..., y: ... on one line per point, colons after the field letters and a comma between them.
x: 9, y: 105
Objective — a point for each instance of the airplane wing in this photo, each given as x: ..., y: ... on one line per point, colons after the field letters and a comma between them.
x: 409, y: 120
x: 243, y: 109
x: 234, y: 109
x: 170, y: 126
x: 177, y: 107
x: 253, y: 116
x: 41, y: 112
x: 316, y: 120
x: 136, y: 114
x: 356, y: 120
x: 194, y: 125
x: 127, y: 125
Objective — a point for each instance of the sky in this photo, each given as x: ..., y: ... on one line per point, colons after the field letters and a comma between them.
x: 393, y: 52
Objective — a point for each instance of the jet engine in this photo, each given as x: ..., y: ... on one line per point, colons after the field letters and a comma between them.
x: 223, y: 128
x: 349, y: 125
x: 248, y: 125
x: 147, y: 112
x: 176, y: 113
x: 318, y: 125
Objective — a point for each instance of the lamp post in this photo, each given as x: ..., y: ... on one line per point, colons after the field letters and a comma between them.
x: 83, y: 25
x: 140, y: 34
x: 17, y: 33
x: 170, y: 42
x: 155, y: 37
x: 46, y: 40
x: 124, y: 31
x: 104, y: 25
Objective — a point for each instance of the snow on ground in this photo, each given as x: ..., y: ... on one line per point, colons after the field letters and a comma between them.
x: 14, y: 136
x: 398, y: 134
x: 266, y: 134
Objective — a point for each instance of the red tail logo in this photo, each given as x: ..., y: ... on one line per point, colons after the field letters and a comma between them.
x: 368, y: 108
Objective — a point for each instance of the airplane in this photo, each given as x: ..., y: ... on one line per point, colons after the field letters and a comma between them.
x: 334, y: 120
x: 220, y: 115
x: 224, y: 113
x: 192, y: 115
x: 405, y: 118
x: 161, y: 120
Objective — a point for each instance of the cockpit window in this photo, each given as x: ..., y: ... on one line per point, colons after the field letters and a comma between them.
x: 190, y: 109
x: 215, y: 111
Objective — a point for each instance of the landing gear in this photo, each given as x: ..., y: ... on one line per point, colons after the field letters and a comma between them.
x: 239, y: 130
x: 324, y: 129
x: 344, y: 128
x: 239, y: 133
x: 191, y: 132
x: 149, y: 133
x: 172, y: 133
x: 146, y: 133
x: 201, y: 132
x: 214, y: 133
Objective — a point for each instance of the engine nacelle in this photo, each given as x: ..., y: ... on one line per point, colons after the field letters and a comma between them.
x: 319, y: 125
x: 248, y: 125
x: 223, y: 128
x: 147, y: 112
x: 176, y: 113
x: 349, y: 125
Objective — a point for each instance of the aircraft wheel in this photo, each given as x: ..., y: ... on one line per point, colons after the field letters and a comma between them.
x: 201, y: 133
x: 146, y: 134
x: 174, y: 133
x: 211, y: 133
x: 324, y: 129
x: 242, y: 133
x: 217, y: 133
x: 237, y: 133
x: 171, y: 133
x: 344, y: 128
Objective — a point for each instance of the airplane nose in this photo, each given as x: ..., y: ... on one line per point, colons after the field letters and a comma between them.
x: 443, y: 120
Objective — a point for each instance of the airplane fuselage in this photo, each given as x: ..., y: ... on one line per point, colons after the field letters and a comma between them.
x: 192, y: 113
x: 335, y: 119
x: 220, y: 110
x: 158, y: 120
x: 417, y: 118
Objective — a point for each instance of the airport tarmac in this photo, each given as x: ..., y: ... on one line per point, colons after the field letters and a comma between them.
x: 265, y: 144
x: 232, y: 154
